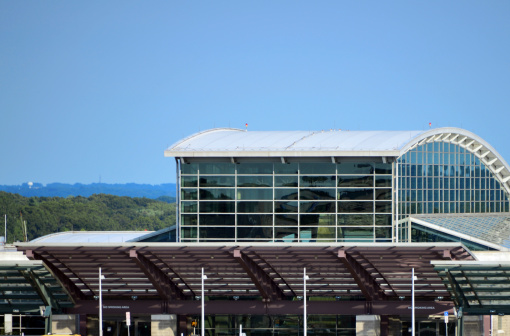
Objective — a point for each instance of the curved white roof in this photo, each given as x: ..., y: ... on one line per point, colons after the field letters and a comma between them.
x: 240, y: 143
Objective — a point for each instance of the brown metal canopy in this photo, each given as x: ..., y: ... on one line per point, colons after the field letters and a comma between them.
x: 265, y: 272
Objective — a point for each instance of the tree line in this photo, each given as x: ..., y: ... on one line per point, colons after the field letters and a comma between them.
x: 98, y: 212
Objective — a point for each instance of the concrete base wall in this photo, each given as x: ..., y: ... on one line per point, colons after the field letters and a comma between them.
x: 368, y: 325
x: 65, y: 324
x: 164, y: 325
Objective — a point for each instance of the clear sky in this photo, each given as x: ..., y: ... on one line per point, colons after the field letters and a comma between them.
x: 96, y: 90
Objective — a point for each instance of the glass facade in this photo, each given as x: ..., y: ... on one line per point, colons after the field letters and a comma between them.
x: 444, y: 178
x: 287, y: 202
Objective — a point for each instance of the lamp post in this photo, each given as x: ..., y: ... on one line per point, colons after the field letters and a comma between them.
x: 203, y: 302
x: 305, y: 277
x: 413, y: 323
x: 101, y: 277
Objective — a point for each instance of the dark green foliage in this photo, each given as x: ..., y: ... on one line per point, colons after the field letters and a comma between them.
x: 99, y: 212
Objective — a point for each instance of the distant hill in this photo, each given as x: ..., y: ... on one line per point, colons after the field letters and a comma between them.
x: 164, y: 192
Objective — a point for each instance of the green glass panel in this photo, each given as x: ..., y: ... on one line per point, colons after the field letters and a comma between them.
x: 282, y: 207
x: 383, y: 194
x: 317, y: 181
x: 286, y: 220
x: 255, y: 207
x: 216, y: 232
x: 286, y: 194
x: 358, y: 220
x: 317, y: 207
x: 355, y: 234
x: 286, y: 168
x: 255, y: 232
x: 255, y: 168
x: 255, y: 181
x: 317, y: 194
x: 225, y: 220
x: 317, y: 168
x: 383, y: 207
x: 383, y: 233
x: 255, y: 220
x: 189, y: 181
x: 286, y: 181
x: 189, y: 206
x: 383, y: 181
x: 356, y: 168
x: 286, y: 234
x: 255, y: 194
x: 188, y: 232
x: 189, y: 168
x: 219, y: 207
x: 356, y: 181
x: 355, y: 206
x: 356, y: 194
x: 189, y: 194
x: 382, y: 220
x: 217, y: 194
x: 188, y: 219
x: 216, y: 168
x: 217, y: 181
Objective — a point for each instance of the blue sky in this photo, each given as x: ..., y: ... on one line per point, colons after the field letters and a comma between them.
x: 96, y: 90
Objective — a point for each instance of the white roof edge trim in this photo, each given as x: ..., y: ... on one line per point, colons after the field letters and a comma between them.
x: 285, y: 154
x: 194, y: 135
x: 457, y: 234
x: 497, y: 172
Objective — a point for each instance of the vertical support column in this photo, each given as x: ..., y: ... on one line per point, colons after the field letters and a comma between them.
x: 83, y: 324
x: 164, y: 325
x: 368, y: 325
x: 385, y: 325
x: 8, y: 324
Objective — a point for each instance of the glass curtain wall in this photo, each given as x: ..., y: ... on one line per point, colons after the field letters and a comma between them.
x: 287, y: 202
x: 441, y: 177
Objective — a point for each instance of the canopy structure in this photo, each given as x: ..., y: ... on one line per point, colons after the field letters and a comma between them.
x: 260, y: 272
x: 477, y: 287
x: 28, y: 286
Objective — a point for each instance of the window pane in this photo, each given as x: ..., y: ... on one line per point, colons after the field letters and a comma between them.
x: 255, y: 220
x: 285, y: 168
x: 255, y: 232
x: 217, y: 194
x: 317, y: 168
x: 188, y: 232
x: 382, y: 219
x: 383, y: 207
x: 189, y: 168
x: 355, y: 181
x: 383, y: 194
x: 317, y: 194
x: 217, y: 220
x: 216, y: 232
x: 355, y: 234
x: 189, y: 206
x: 318, y: 181
x: 254, y: 181
x: 383, y: 181
x: 189, y: 219
x: 216, y: 168
x: 286, y: 181
x: 356, y: 194
x: 355, y: 207
x: 317, y: 207
x: 285, y: 207
x: 225, y: 207
x: 189, y: 194
x: 360, y: 220
x: 255, y: 194
x: 286, y: 220
x: 255, y: 207
x: 189, y: 181
x: 255, y: 168
x: 286, y: 194
x: 355, y: 168
x: 286, y: 234
x: 217, y: 181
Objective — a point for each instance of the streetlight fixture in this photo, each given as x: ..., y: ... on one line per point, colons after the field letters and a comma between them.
x: 101, y: 277
x: 305, y: 277
x: 204, y: 277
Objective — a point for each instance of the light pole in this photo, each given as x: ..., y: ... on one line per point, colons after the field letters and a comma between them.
x: 413, y: 323
x: 305, y: 277
x: 203, y: 302
x: 101, y: 277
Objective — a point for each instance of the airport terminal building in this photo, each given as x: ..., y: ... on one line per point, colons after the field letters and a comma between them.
x: 358, y: 211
